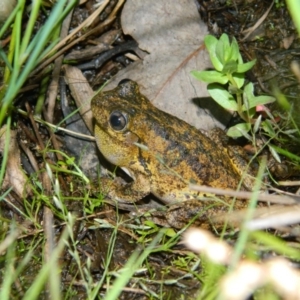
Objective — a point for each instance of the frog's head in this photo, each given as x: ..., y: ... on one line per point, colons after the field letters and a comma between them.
x: 119, y: 122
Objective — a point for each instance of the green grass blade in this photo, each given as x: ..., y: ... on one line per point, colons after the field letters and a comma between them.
x: 131, y: 266
x: 294, y: 9
x: 43, y: 36
x: 29, y: 28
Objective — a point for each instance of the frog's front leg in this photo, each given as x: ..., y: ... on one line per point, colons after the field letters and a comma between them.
x: 126, y: 192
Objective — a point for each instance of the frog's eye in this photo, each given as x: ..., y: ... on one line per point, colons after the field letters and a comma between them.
x: 124, y: 81
x: 118, y: 120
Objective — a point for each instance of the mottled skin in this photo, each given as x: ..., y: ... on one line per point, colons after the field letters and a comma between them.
x: 162, y: 153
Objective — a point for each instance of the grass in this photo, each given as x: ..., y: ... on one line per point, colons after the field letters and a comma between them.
x: 156, y: 264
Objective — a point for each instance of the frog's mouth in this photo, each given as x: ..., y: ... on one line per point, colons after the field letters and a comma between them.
x: 129, y: 173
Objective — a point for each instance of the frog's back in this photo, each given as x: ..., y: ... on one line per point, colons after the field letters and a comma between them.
x: 187, y: 152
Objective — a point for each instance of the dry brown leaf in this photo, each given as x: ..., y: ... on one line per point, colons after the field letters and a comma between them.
x: 81, y: 92
x: 6, y: 8
x: 14, y: 176
x: 288, y: 41
x: 172, y: 33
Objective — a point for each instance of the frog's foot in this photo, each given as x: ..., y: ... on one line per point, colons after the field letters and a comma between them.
x: 122, y: 191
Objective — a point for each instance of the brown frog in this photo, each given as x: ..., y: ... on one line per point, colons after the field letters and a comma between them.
x: 161, y: 153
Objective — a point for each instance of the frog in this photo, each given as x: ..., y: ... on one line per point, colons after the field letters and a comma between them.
x: 162, y: 153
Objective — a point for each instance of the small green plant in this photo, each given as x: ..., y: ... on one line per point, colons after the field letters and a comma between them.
x: 226, y: 84
x: 279, y: 3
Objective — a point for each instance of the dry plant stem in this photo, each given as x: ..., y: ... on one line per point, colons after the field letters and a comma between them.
x: 46, y: 182
x: 18, y: 285
x: 35, y: 232
x: 53, y: 87
x: 247, y: 195
x: 57, y: 128
x: 262, y: 86
x: 293, y: 195
x: 67, y: 47
x: 33, y: 123
x: 271, y: 62
x: 116, y: 9
x: 73, y: 43
x: 48, y: 219
x: 289, y: 183
x: 275, y: 216
x: 107, y: 287
x: 29, y: 87
x: 53, y: 139
x: 127, y: 289
x: 4, y: 42
x: 30, y: 157
x: 28, y: 133
x: 87, y: 53
x: 98, y: 46
x: 257, y: 24
x: 121, y: 228
x: 84, y: 24
x: 56, y: 146
x: 48, y: 229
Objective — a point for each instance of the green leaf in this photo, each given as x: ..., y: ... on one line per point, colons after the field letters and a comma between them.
x: 247, y: 95
x: 278, y: 245
x: 210, y: 76
x: 274, y: 153
x: 70, y: 160
x: 220, y: 52
x: 242, y: 68
x: 170, y: 232
x: 222, y: 97
x: 257, y: 124
x: 251, y: 101
x: 150, y: 224
x: 211, y: 44
x: 249, y: 89
x: 239, y: 79
x: 224, y: 46
x: 268, y: 128
x: 261, y: 100
x: 287, y: 153
x: 239, y: 130
x: 281, y: 99
x: 234, y: 50
x: 230, y: 67
x: 240, y: 59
